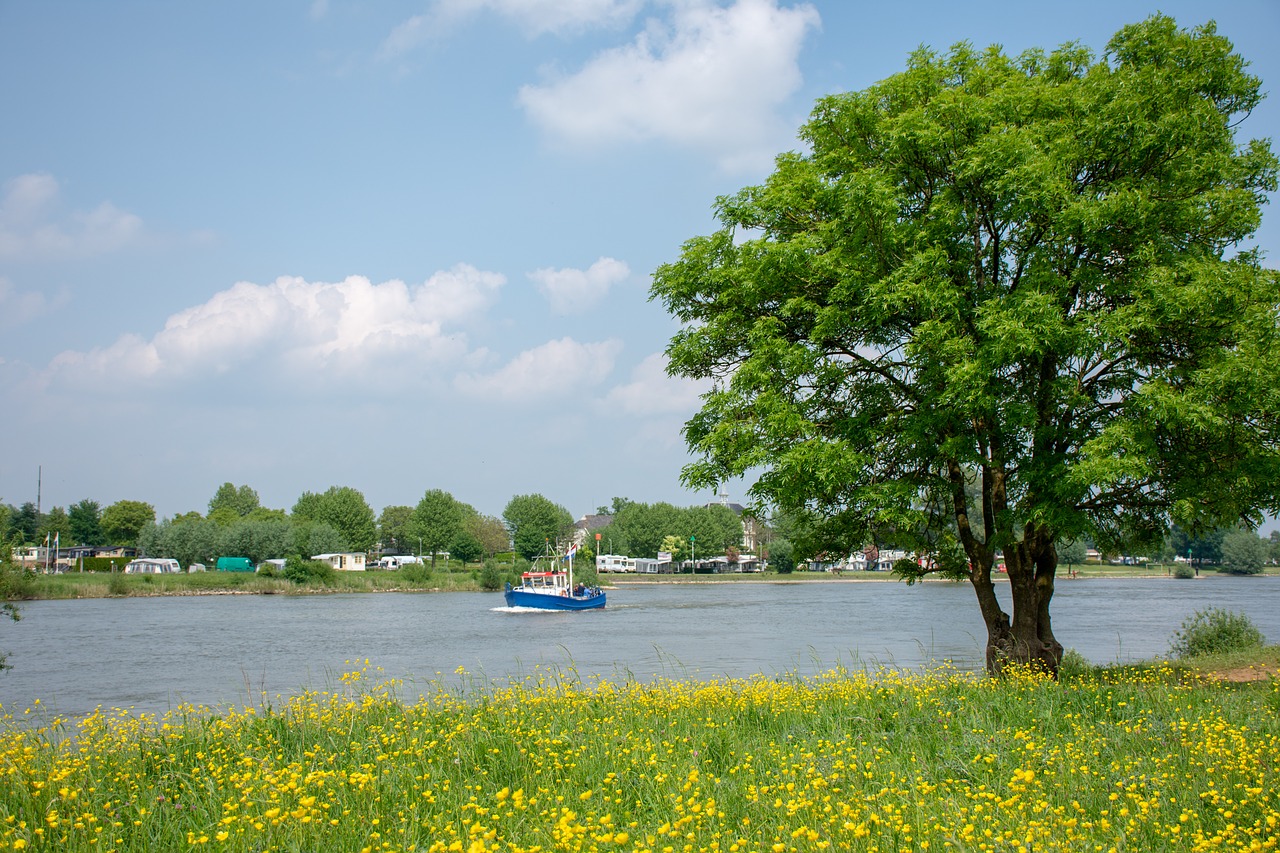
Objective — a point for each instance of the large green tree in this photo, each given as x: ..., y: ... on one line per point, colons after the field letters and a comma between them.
x: 393, y: 530
x: 437, y: 521
x: 1026, y: 274
x: 57, y: 526
x: 231, y: 502
x: 345, y: 510
x: 86, y: 522
x: 124, y: 520
x: 1243, y: 552
x: 536, y: 522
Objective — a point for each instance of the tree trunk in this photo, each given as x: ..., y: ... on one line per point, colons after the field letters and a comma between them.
x: 1027, y: 639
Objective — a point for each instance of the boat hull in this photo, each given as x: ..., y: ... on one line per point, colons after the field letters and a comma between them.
x: 517, y: 597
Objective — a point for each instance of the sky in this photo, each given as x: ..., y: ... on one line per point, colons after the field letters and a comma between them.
x: 407, y: 245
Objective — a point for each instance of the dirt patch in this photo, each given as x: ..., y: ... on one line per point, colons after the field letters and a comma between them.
x: 1240, y: 675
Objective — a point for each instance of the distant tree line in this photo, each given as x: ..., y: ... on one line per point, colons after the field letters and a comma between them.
x: 340, y: 519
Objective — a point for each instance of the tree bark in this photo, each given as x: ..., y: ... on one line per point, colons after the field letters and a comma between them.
x: 1027, y: 639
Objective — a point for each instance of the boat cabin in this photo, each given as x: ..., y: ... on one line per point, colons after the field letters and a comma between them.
x: 546, y: 582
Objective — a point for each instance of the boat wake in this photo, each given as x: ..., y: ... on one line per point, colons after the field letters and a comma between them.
x: 526, y: 610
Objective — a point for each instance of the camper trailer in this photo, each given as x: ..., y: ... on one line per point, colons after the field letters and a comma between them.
x: 152, y: 566
x: 397, y: 562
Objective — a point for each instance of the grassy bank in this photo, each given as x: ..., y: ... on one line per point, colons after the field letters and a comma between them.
x: 452, y: 577
x: 1144, y: 758
x: 99, y: 585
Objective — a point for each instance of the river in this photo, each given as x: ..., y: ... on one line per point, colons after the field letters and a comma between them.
x: 153, y: 654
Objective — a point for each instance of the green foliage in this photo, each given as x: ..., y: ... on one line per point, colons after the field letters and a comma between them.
x: 118, y: 583
x: 1074, y: 666
x: 257, y: 540
x: 24, y: 524
x: 781, y: 558
x: 466, y: 548
x: 1072, y: 553
x: 490, y: 532
x: 1183, y: 571
x: 345, y: 510
x: 584, y: 571
x: 642, y: 530
x: 57, y: 526
x: 417, y: 573
x: 1025, y: 269
x: 436, y: 521
x: 85, y: 517
x: 302, y: 571
x: 492, y: 576
x: 315, y: 537
x: 124, y: 520
x: 1215, y: 631
x: 231, y: 502
x: 393, y: 530
x: 535, y: 522
x: 1243, y: 553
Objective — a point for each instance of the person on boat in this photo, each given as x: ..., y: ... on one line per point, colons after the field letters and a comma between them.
x: 579, y: 590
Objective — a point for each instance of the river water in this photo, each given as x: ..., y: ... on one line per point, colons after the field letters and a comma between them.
x: 153, y: 654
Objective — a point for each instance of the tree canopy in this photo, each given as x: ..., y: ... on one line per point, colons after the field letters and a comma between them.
x: 124, y: 520
x: 345, y: 510
x: 1014, y: 290
x: 534, y: 522
x: 437, y: 521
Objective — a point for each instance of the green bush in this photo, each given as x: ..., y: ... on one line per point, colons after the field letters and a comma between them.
x: 491, y: 576
x: 1183, y: 571
x: 1073, y: 665
x: 1215, y: 631
x: 416, y: 573
x: 117, y: 585
x: 302, y: 571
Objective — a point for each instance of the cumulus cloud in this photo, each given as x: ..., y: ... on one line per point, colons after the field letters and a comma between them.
x: 309, y: 332
x: 712, y: 79
x: 533, y: 17
x: 19, y: 307
x: 572, y: 291
x: 651, y: 392
x: 32, y: 224
x: 556, y: 370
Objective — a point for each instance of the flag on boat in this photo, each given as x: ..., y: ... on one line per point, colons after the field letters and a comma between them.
x: 572, y: 550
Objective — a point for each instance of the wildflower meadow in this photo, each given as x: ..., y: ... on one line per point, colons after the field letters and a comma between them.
x: 1135, y: 759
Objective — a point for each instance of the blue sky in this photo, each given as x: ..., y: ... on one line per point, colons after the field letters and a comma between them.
x: 402, y: 246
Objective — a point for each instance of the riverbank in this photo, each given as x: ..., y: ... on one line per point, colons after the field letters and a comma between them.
x: 1155, y: 755
x: 72, y: 585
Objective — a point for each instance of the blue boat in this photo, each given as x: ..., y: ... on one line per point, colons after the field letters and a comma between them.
x: 553, y: 589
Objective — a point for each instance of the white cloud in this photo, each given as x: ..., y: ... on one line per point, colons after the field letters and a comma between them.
x: 18, y: 308
x: 307, y: 332
x: 712, y: 79
x: 651, y: 392
x: 557, y: 370
x: 572, y: 291
x: 31, y: 224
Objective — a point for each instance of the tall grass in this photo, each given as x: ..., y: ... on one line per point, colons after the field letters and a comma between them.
x: 1136, y: 760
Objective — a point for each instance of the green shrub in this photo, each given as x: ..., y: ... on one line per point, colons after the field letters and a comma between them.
x: 1215, y: 631
x: 1073, y: 665
x: 1183, y: 570
x: 117, y: 585
x: 302, y: 571
x: 491, y: 577
x: 416, y: 573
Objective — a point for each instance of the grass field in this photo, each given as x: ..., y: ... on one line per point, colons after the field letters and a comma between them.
x: 1156, y: 757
